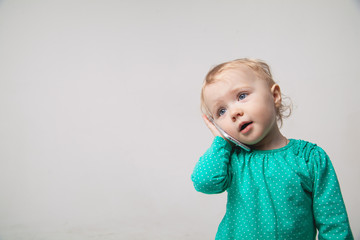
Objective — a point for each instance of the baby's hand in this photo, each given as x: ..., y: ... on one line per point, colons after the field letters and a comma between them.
x: 211, y: 126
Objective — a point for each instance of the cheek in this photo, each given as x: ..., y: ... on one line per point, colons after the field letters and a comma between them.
x: 227, y: 126
x: 266, y: 111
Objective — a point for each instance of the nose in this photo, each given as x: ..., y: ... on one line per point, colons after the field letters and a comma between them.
x: 236, y: 112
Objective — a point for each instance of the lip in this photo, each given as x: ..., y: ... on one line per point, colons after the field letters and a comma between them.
x: 246, y: 128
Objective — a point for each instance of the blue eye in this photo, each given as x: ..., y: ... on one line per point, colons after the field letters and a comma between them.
x: 221, y: 111
x: 242, y: 96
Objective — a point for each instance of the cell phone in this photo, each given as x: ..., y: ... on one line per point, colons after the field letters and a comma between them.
x: 227, y: 136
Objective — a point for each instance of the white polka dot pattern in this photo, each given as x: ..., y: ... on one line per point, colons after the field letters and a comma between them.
x: 286, y: 193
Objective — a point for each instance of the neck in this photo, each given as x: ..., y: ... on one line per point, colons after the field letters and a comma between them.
x: 273, y: 140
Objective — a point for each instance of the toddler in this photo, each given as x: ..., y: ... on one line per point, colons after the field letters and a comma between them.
x: 280, y: 189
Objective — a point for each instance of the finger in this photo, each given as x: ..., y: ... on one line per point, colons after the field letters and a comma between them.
x: 211, y: 126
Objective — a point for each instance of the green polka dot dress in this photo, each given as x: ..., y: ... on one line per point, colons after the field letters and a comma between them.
x: 287, y: 193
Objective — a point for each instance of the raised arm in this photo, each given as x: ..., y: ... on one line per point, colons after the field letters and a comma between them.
x: 212, y: 173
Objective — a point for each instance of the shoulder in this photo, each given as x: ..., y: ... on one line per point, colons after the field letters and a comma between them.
x: 313, y: 156
x: 307, y: 150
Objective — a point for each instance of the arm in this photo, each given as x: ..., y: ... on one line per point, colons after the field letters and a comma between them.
x: 212, y: 171
x: 329, y: 209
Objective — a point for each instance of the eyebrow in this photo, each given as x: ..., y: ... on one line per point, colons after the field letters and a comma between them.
x: 215, y: 109
x: 218, y: 102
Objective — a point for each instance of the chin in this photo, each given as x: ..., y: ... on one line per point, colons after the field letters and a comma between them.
x: 255, y: 141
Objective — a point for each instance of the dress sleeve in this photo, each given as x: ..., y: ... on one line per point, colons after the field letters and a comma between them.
x: 212, y: 172
x: 328, y: 206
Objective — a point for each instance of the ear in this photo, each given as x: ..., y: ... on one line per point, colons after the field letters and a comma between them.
x: 276, y: 93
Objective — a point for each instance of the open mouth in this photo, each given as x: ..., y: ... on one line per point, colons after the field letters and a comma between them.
x: 245, y: 125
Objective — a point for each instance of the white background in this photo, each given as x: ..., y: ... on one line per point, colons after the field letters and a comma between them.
x: 100, y: 125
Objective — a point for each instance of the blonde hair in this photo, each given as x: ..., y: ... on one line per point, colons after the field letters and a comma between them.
x: 260, y: 68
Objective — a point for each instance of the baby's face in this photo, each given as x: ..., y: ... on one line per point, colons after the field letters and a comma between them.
x: 243, y: 105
